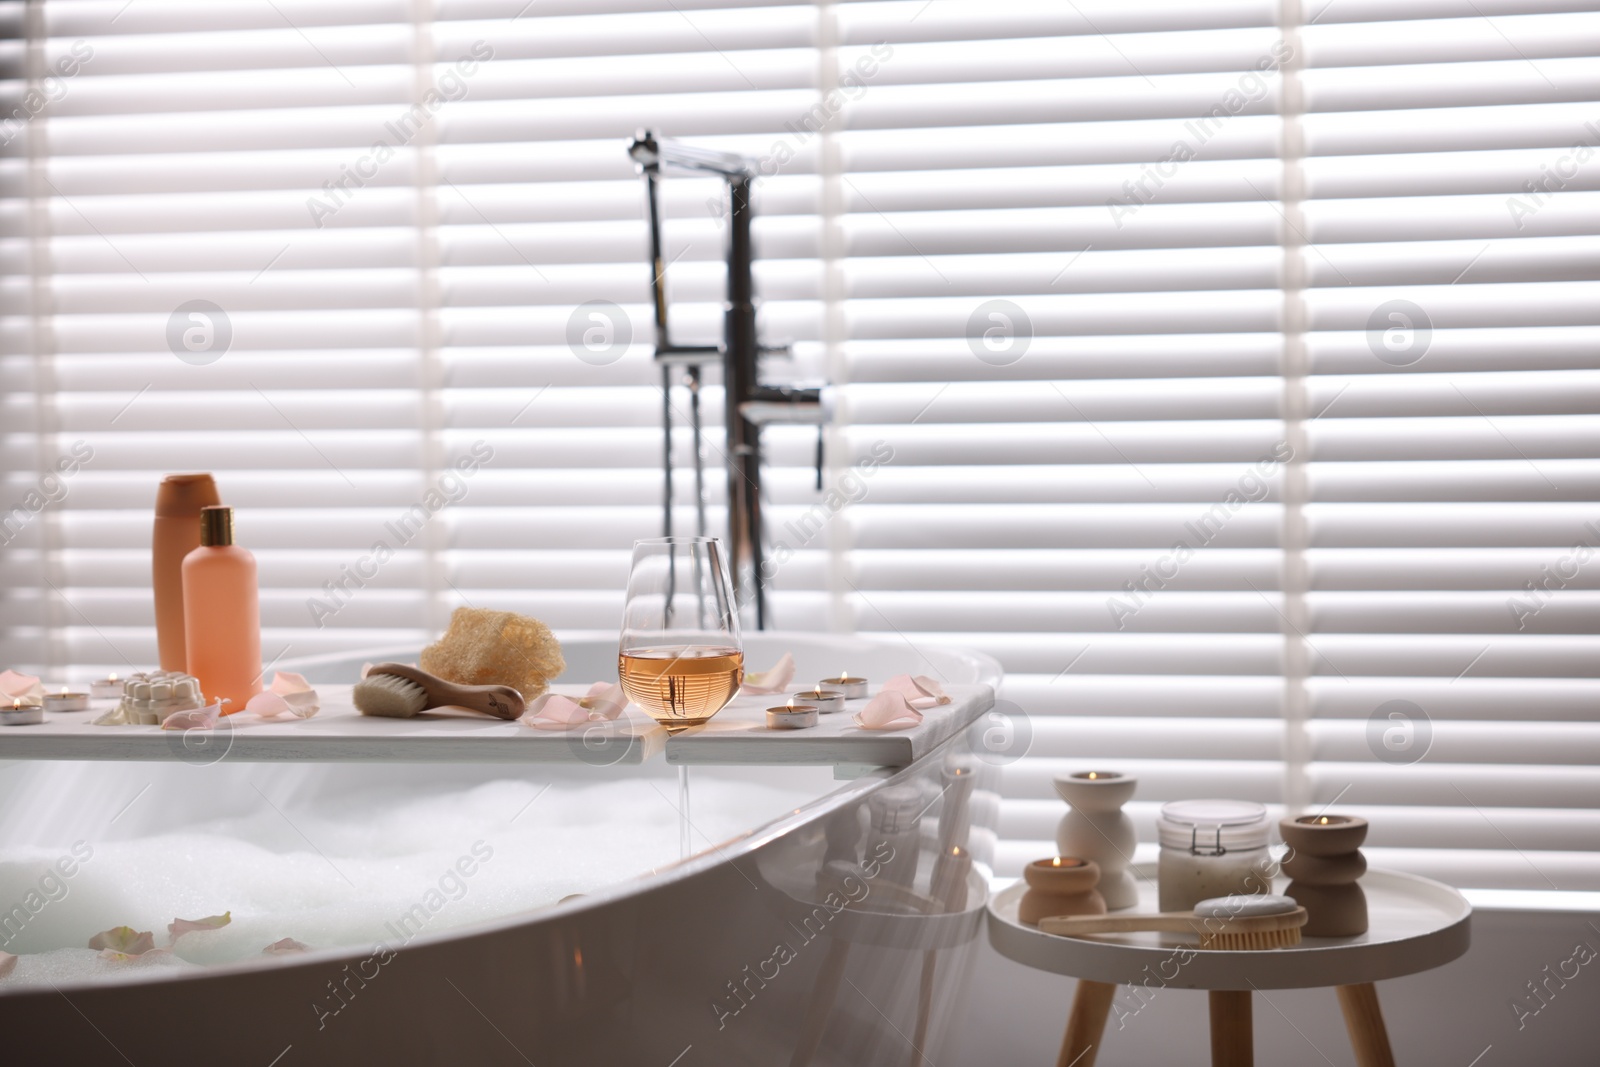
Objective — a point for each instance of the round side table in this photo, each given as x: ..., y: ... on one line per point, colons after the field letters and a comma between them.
x: 1416, y: 924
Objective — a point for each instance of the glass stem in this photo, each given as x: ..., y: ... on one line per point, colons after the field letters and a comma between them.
x: 683, y: 811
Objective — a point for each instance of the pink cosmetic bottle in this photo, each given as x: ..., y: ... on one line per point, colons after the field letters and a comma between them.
x: 177, y: 533
x: 222, y: 613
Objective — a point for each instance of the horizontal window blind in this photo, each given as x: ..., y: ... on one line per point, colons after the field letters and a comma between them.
x: 1235, y: 363
x: 1230, y: 523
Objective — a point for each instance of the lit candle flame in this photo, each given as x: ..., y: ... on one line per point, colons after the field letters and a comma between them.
x: 1323, y: 820
x: 791, y: 702
x: 63, y: 690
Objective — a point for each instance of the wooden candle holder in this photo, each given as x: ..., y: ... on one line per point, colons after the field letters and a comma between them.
x: 1061, y: 885
x: 1325, y: 866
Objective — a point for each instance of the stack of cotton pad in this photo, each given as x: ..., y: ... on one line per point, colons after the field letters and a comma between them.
x: 147, y: 699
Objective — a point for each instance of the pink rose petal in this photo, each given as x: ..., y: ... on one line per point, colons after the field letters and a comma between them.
x: 268, y: 705
x: 888, y: 711
x: 193, y: 719
x: 297, y: 693
x: 286, y: 682
x: 774, y: 680
x: 178, y: 927
x: 8, y: 963
x: 124, y: 940
x: 920, y: 691
x: 552, y: 711
x: 286, y: 947
x: 17, y: 686
x: 604, y: 700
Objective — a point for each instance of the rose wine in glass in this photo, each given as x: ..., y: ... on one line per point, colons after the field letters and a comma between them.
x: 681, y: 658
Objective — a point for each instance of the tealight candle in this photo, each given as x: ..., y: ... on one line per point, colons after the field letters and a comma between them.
x: 825, y: 700
x: 65, y: 701
x: 791, y: 717
x: 1060, y: 885
x: 20, y: 714
x: 106, y: 687
x: 850, y: 687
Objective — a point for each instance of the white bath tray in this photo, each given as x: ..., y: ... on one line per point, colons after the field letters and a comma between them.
x: 340, y: 734
x: 739, y: 734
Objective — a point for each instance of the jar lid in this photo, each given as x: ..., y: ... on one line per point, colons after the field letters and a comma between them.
x: 1210, y: 827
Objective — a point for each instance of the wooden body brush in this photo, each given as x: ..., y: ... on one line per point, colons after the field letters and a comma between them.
x: 1235, y: 923
x: 396, y: 691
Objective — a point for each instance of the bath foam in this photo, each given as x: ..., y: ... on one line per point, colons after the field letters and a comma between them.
x: 384, y: 867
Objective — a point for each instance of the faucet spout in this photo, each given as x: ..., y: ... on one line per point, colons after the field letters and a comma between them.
x: 749, y: 404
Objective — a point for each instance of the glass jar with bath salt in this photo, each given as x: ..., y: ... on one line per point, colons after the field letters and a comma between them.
x: 1211, y: 848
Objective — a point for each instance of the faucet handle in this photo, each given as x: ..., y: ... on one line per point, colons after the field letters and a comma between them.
x: 787, y: 404
x: 781, y: 351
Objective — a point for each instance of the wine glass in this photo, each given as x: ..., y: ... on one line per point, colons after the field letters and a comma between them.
x: 681, y: 658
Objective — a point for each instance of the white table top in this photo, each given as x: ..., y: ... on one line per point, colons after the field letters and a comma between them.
x: 1416, y: 924
x: 340, y: 734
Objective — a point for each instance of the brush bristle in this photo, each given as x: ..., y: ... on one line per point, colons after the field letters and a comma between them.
x: 389, y: 696
x: 1252, y: 940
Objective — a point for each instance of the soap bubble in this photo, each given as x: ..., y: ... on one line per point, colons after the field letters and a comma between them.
x: 998, y: 332
x: 1399, y: 733
x: 199, y: 332
x: 1002, y: 735
x: 599, y: 332
x: 200, y: 747
x: 286, y: 869
x: 1399, y: 332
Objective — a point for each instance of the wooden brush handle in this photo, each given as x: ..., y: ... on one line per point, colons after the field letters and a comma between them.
x: 1180, y: 922
x: 501, y: 701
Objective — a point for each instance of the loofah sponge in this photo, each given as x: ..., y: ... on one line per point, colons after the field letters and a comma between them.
x: 496, y: 648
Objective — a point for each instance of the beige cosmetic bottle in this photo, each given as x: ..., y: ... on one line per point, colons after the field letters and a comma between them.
x: 177, y: 533
x: 222, y: 613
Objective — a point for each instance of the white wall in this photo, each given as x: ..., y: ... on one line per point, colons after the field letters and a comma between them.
x: 1455, y: 1016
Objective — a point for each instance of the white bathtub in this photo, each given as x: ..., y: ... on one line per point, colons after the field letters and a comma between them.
x: 818, y: 921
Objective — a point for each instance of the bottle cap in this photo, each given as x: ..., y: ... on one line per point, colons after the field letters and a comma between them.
x: 216, y: 525
x: 183, y: 495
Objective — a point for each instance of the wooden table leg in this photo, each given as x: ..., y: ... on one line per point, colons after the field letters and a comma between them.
x: 1091, y: 1004
x: 1364, y: 1020
x: 1231, y: 1041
